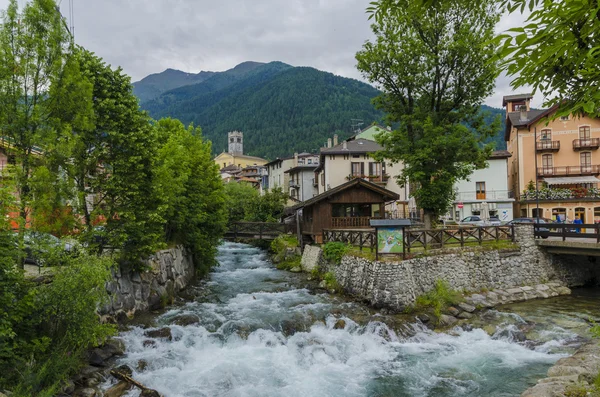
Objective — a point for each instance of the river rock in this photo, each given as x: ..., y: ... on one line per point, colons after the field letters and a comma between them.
x: 446, y: 320
x: 340, y: 324
x: 150, y: 393
x: 164, y: 333
x: 296, y: 269
x: 186, y: 319
x: 149, y: 343
x: 118, y: 390
x: 87, y: 392
x: 453, y: 311
x: 124, y: 369
x: 466, y: 307
x: 465, y: 315
x: 323, y: 284
x: 142, y: 365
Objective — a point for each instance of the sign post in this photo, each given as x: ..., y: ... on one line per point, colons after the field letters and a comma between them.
x: 390, y: 236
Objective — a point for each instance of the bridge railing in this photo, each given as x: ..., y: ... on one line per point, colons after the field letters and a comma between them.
x: 362, y: 238
x: 259, y: 229
x: 439, y: 238
x: 568, y: 230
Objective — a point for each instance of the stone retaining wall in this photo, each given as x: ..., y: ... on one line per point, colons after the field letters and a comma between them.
x: 170, y: 271
x: 397, y: 284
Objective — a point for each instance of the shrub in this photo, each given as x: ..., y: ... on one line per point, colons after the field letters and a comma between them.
x: 282, y: 243
x: 330, y: 281
x: 439, y: 298
x: 334, y: 251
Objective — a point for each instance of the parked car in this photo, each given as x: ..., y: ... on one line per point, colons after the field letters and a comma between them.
x: 523, y: 220
x: 473, y: 220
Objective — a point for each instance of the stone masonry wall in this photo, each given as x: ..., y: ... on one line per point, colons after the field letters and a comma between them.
x: 170, y: 271
x: 397, y: 284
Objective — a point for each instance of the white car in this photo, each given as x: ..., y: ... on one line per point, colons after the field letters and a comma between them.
x: 472, y: 220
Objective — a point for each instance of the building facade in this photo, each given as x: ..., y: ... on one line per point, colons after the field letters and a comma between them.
x: 353, y: 159
x: 303, y: 185
x: 278, y: 170
x: 485, y: 190
x: 560, y: 154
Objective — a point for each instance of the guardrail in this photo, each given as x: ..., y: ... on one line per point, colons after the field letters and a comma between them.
x: 439, y: 238
x: 360, y: 238
x: 567, y: 230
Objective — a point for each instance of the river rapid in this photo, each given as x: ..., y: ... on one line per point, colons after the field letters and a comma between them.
x: 262, y: 333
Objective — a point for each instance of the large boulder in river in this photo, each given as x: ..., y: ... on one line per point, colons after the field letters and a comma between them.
x: 186, y: 319
x: 118, y: 390
x: 163, y: 333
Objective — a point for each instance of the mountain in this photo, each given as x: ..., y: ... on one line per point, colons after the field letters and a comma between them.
x: 153, y: 85
x: 280, y: 108
x: 492, y: 113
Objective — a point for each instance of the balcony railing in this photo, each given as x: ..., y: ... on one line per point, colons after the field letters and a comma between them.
x: 547, y: 146
x: 488, y: 195
x: 351, y: 222
x: 589, y: 143
x: 569, y: 170
x: 575, y: 193
x: 370, y: 178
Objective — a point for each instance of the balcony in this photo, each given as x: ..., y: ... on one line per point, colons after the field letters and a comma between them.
x: 378, y: 179
x: 589, y: 143
x: 547, y: 146
x: 351, y: 222
x: 569, y: 170
x: 294, y: 185
x: 490, y: 195
x: 576, y: 193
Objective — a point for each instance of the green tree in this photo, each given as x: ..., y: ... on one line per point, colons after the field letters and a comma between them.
x: 268, y: 208
x: 557, y: 53
x: 239, y: 199
x: 33, y: 48
x: 435, y: 66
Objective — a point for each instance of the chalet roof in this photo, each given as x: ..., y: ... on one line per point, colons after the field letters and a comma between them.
x: 514, y: 98
x: 302, y: 167
x: 356, y: 146
x: 388, y: 195
x: 532, y: 117
x: 500, y: 154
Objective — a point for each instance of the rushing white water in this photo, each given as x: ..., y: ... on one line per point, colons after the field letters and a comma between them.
x: 260, y: 335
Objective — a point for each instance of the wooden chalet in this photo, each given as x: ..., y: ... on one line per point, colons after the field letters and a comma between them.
x: 348, y: 206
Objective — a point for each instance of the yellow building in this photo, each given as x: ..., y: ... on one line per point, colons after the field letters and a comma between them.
x: 235, y: 155
x: 560, y: 153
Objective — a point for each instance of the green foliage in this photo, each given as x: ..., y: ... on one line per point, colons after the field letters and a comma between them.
x: 283, y: 242
x: 330, y: 281
x: 244, y: 203
x: 435, y: 65
x: 239, y: 198
x: 439, y: 298
x: 289, y: 263
x: 556, y: 52
x: 334, y: 251
x: 279, y: 248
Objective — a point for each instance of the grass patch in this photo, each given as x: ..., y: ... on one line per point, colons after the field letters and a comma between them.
x: 289, y: 263
x: 439, y: 298
x: 331, y: 282
x: 365, y: 253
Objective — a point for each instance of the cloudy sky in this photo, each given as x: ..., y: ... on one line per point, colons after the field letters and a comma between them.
x: 149, y: 36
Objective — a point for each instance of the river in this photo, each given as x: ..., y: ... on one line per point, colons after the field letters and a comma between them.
x: 262, y: 333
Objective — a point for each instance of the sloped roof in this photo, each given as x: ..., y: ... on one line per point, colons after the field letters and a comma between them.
x: 387, y: 194
x: 500, y: 154
x: 514, y: 98
x: 356, y: 146
x: 532, y: 117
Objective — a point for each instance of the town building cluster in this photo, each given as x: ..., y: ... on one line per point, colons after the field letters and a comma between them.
x: 549, y: 164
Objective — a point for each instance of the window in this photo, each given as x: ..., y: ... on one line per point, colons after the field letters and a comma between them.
x: 358, y: 169
x: 309, y: 161
x: 534, y: 213
x: 356, y: 156
x: 374, y: 169
x: 584, y: 132
x: 597, y: 215
x: 520, y: 107
x: 480, y: 190
x: 585, y: 159
x: 346, y: 156
x: 547, y: 164
x: 559, y: 214
x: 546, y: 135
x: 239, y: 140
x: 564, y: 118
x: 231, y: 140
x: 224, y: 165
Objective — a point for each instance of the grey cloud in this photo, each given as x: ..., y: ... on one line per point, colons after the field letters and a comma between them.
x: 148, y: 36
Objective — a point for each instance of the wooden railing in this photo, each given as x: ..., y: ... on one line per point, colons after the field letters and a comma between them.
x: 439, y: 238
x: 567, y: 230
x: 351, y: 221
x: 359, y: 238
x: 259, y: 230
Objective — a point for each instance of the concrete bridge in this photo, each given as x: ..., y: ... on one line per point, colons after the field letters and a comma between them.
x: 569, y: 239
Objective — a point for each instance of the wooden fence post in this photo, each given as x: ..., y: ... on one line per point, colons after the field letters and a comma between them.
x: 462, y: 237
x: 479, y: 230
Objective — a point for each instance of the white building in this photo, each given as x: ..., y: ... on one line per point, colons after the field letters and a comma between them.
x: 352, y: 159
x: 279, y: 175
x: 485, y: 189
x: 303, y: 184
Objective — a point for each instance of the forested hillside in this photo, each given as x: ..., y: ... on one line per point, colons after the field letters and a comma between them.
x: 281, y: 109
x: 152, y: 86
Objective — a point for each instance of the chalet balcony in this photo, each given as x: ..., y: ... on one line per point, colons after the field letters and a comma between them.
x: 351, y: 222
x: 569, y: 170
x: 547, y: 146
x: 590, y: 143
x: 378, y: 179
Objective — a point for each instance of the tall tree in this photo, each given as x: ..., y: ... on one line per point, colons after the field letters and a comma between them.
x: 557, y: 53
x: 434, y: 64
x: 33, y: 48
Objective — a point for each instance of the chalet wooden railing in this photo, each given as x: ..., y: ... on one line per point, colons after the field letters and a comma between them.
x: 350, y: 221
x: 567, y: 230
x: 260, y: 230
x: 439, y: 238
x: 360, y: 238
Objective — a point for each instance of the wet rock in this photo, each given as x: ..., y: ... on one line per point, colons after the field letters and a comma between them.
x: 466, y: 307
x: 465, y: 315
x: 124, y: 369
x: 142, y: 365
x: 296, y: 269
x: 323, y: 284
x: 446, y: 320
x: 150, y: 393
x: 121, y: 316
x: 115, y: 346
x: 563, y: 291
x: 340, y: 324
x: 87, y: 392
x: 453, y: 311
x: 118, y: 390
x: 149, y: 343
x: 186, y: 319
x: 424, y: 318
x: 164, y: 333
x: 68, y: 388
